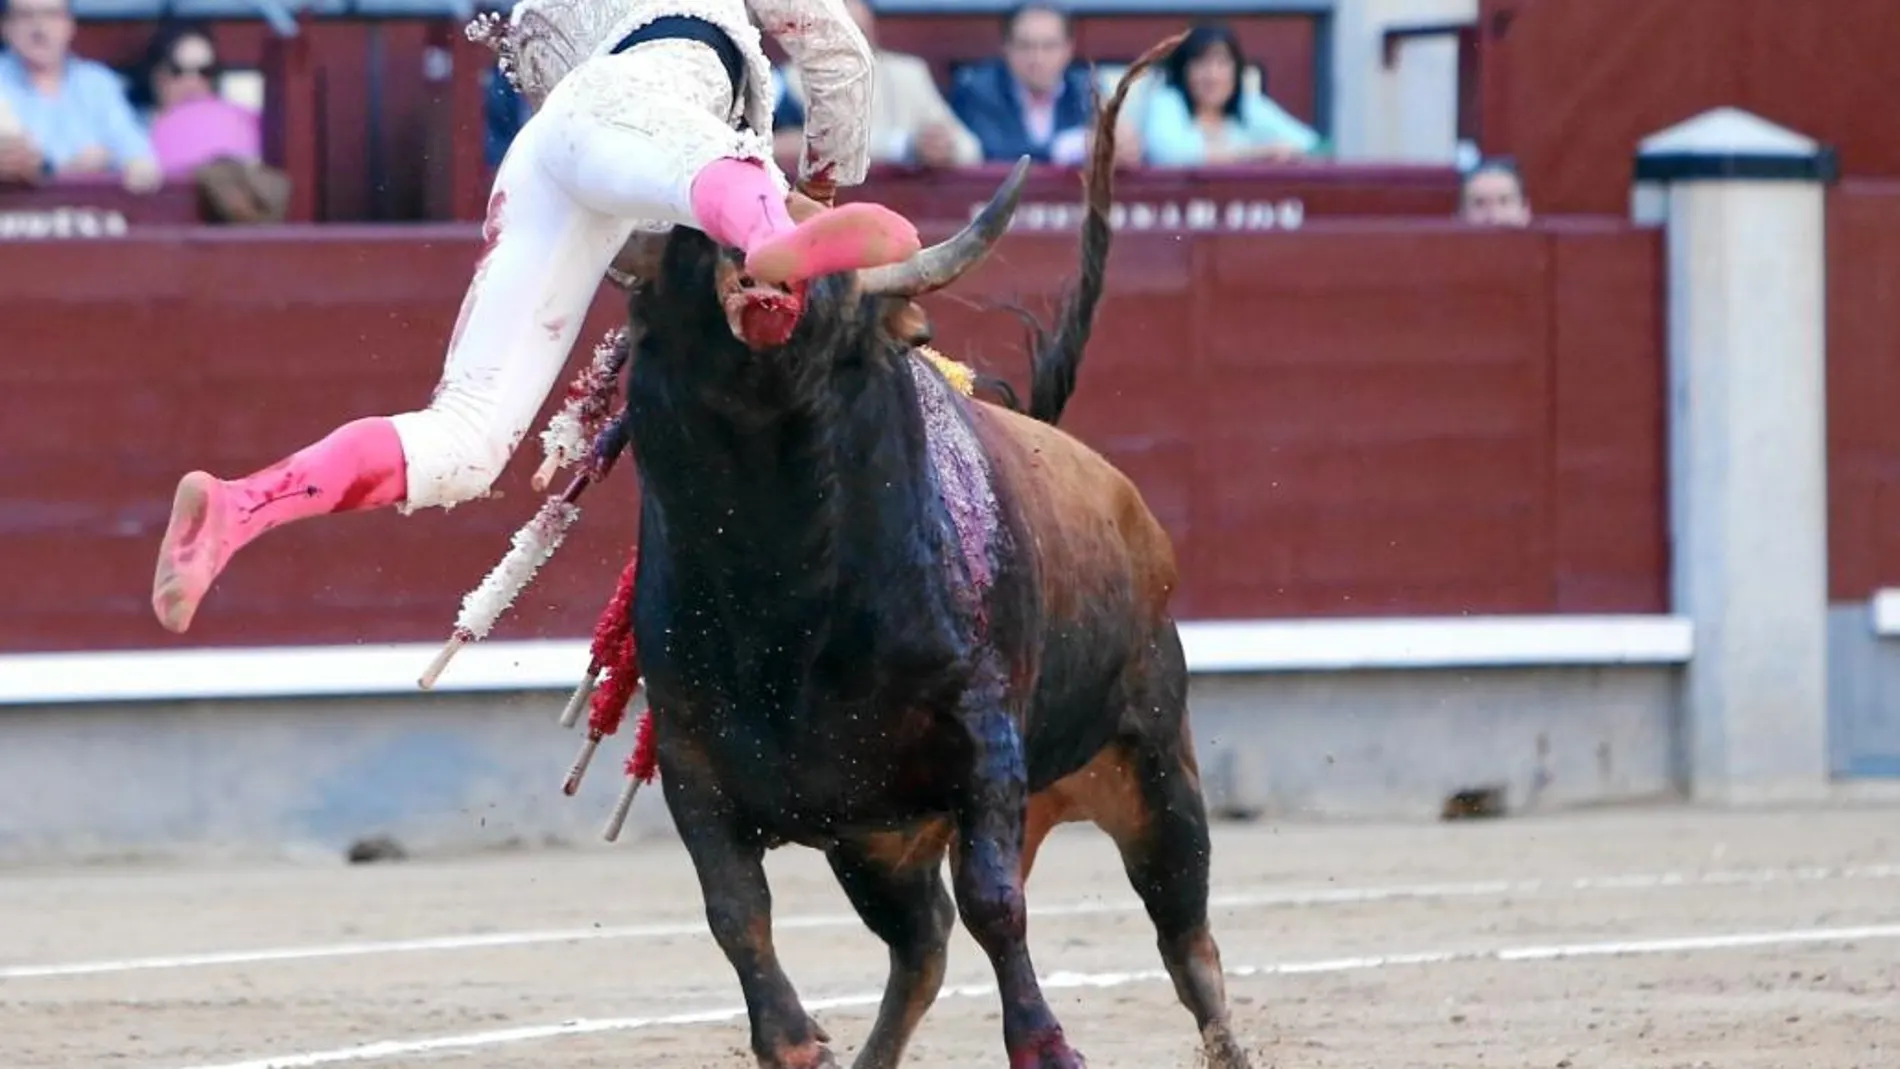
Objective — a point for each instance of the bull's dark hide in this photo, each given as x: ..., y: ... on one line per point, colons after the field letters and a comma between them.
x: 886, y: 621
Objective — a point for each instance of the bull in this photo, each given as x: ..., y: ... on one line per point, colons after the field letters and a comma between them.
x: 894, y: 624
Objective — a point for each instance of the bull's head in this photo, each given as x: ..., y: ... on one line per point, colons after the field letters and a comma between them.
x: 895, y: 287
x: 883, y: 295
x: 692, y: 358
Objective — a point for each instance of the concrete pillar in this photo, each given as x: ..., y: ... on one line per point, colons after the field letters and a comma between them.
x: 1409, y: 114
x: 1743, y: 204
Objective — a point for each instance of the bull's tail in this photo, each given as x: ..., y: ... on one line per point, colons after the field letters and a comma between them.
x: 1058, y: 352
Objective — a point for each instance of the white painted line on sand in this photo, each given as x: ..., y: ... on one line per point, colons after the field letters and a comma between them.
x: 1295, y: 898
x: 1623, y: 948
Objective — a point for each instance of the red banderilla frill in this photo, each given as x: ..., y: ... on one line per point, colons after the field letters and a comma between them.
x: 609, y: 700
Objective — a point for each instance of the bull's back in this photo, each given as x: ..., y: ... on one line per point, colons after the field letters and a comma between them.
x: 1105, y: 569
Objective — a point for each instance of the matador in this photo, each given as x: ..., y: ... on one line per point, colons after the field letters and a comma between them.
x: 647, y: 114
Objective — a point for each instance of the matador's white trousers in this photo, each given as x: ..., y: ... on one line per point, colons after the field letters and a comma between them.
x: 616, y: 145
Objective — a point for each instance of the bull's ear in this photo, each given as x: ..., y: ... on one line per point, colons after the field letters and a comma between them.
x: 639, y: 259
x: 689, y: 261
x: 727, y: 277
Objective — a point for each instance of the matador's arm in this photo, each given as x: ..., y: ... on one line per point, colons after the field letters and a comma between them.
x: 835, y: 64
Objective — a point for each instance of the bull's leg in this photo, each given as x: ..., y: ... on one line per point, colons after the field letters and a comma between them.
x: 906, y: 905
x: 731, y: 871
x: 1163, y: 837
x: 989, y: 886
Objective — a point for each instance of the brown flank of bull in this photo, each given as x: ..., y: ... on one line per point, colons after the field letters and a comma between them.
x: 834, y: 663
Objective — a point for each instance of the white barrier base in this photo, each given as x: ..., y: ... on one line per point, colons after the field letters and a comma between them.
x: 1884, y: 607
x: 557, y: 665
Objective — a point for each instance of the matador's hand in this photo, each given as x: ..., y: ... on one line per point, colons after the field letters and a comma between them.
x: 800, y: 207
x: 822, y: 190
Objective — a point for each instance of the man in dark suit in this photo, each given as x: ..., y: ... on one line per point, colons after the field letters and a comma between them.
x: 1032, y: 100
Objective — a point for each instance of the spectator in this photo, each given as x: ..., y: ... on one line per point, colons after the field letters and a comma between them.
x: 73, y: 110
x: 20, y: 162
x: 1493, y: 195
x: 1203, y: 112
x: 1032, y: 100
x: 911, y: 123
x: 191, y: 125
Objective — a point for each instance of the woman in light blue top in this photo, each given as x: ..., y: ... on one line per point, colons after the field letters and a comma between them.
x: 1201, y: 114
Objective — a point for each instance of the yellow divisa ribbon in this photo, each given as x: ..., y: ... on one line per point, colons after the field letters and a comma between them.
x: 960, y: 375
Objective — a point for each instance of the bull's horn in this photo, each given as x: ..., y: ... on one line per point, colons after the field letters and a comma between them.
x: 943, y: 263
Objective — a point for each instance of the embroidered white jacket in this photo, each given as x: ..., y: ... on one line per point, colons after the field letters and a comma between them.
x: 549, y: 38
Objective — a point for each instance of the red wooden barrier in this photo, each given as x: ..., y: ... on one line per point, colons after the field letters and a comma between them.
x: 1571, y: 86
x: 91, y: 208
x: 1240, y: 197
x: 1863, y: 380
x: 1359, y: 419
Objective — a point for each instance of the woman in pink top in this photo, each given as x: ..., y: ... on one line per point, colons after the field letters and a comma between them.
x: 191, y: 125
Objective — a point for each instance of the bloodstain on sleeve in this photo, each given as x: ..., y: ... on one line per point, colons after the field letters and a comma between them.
x: 834, y: 61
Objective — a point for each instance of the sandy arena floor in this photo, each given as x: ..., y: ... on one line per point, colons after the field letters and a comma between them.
x: 1663, y: 938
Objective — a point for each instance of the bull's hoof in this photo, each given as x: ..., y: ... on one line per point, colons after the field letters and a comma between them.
x: 1050, y: 1051
x: 812, y: 1055
x: 1222, y: 1049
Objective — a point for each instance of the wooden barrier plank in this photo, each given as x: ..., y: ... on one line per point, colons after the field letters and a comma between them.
x: 1863, y: 382
x: 83, y: 209
x: 1249, y: 197
x: 1345, y: 421
x: 1376, y: 410
x: 1571, y: 87
x: 1611, y: 464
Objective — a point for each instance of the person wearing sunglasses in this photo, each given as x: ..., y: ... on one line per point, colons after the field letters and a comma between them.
x: 191, y: 125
